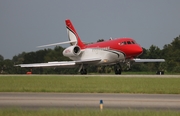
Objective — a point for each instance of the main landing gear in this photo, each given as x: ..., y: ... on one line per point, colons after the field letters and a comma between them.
x: 83, y: 71
x: 117, y: 69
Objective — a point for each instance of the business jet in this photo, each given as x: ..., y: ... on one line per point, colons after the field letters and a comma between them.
x: 116, y: 52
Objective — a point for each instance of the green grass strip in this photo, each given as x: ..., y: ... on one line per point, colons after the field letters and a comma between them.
x: 85, y: 112
x: 91, y: 84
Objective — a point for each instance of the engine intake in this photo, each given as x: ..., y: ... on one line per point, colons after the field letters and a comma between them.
x: 72, y: 51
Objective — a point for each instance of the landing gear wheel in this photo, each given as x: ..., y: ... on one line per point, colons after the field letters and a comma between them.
x: 83, y: 71
x: 117, y: 69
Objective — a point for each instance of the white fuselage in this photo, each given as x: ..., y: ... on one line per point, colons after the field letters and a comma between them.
x: 106, y: 55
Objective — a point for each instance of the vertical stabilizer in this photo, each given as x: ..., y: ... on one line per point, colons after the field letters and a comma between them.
x: 72, y: 34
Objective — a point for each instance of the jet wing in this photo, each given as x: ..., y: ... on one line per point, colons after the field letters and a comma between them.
x: 65, y: 64
x: 148, y: 60
x: 61, y: 64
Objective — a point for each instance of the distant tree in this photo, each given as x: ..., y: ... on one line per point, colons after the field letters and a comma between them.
x: 35, y: 57
x: 7, y: 67
x: 30, y: 58
x: 1, y: 58
x: 18, y: 59
x: 153, y: 52
x: 171, y: 53
x: 144, y: 54
x: 56, y: 55
x: 1, y: 64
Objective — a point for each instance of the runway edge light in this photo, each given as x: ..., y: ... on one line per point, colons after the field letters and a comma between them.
x: 101, y: 105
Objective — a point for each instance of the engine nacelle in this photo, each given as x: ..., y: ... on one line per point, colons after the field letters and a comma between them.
x: 72, y: 51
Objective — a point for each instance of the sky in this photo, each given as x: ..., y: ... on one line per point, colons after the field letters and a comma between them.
x: 26, y: 24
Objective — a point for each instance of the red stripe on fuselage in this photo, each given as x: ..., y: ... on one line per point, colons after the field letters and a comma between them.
x: 129, y: 50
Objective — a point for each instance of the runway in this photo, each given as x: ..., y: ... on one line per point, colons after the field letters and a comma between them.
x: 90, y: 100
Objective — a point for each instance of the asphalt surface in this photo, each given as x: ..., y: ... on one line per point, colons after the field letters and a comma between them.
x: 90, y: 100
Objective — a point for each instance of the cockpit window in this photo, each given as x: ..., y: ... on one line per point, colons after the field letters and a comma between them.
x: 128, y: 42
x: 122, y: 43
x: 133, y: 42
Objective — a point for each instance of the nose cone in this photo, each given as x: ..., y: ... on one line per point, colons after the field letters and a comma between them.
x: 138, y: 50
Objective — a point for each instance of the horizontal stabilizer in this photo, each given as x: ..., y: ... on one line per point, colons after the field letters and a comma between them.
x: 54, y: 44
x: 148, y: 60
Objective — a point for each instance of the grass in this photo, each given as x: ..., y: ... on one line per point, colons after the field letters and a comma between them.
x: 89, y: 84
x: 85, y: 112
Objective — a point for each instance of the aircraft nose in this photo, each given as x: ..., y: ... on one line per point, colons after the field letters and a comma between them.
x: 138, y: 50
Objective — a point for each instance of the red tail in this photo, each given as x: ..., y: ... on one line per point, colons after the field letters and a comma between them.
x: 72, y: 34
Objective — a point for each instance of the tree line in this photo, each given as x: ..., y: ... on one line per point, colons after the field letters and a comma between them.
x: 170, y: 52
